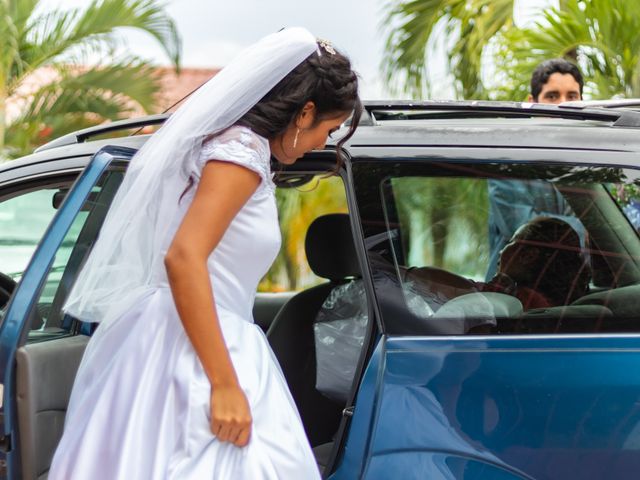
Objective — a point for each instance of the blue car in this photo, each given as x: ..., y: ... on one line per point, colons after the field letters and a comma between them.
x: 460, y: 301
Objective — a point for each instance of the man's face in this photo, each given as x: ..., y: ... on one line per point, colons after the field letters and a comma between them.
x: 561, y: 87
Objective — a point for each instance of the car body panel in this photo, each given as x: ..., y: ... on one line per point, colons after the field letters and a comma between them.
x: 456, y: 154
x: 536, y: 134
x: 467, y: 407
x: 510, y: 407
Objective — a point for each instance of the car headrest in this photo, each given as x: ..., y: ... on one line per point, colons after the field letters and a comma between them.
x: 329, y: 246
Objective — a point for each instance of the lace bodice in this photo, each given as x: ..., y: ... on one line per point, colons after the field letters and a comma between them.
x: 241, y: 146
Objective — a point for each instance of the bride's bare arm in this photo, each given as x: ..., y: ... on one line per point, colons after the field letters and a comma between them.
x: 222, y: 191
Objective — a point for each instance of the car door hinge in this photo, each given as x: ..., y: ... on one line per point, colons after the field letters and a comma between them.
x: 348, y: 412
x: 5, y: 443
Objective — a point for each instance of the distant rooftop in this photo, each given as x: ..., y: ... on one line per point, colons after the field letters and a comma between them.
x: 175, y: 87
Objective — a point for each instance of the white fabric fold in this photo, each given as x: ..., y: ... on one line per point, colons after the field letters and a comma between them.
x: 120, y: 268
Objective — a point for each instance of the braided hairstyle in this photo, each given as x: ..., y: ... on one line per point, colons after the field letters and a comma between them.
x: 324, y: 78
x: 561, y: 271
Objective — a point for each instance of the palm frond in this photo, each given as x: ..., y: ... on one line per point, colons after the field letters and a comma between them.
x: 64, y: 40
x: 469, y: 26
x: 9, y: 34
x: 21, y: 10
x: 479, y: 26
x: 52, y: 34
x: 602, y: 35
x: 78, y: 99
x: 103, y: 16
x: 409, y: 27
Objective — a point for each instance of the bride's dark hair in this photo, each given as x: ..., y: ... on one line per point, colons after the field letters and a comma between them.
x: 326, y: 79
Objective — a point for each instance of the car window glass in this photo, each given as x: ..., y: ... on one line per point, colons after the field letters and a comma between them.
x: 23, y: 221
x: 627, y: 196
x: 499, y: 249
x: 47, y: 317
x: 298, y: 207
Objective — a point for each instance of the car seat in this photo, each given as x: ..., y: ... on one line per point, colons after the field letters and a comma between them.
x: 331, y: 255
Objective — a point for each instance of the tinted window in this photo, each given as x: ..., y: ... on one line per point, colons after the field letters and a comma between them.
x: 23, y: 221
x: 458, y: 248
x: 47, y: 317
x: 298, y: 207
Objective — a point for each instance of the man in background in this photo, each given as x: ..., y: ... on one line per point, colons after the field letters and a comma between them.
x: 555, y: 81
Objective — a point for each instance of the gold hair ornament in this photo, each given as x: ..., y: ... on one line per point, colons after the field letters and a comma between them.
x: 326, y: 46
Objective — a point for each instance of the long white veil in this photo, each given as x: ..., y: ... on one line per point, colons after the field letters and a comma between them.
x: 120, y: 268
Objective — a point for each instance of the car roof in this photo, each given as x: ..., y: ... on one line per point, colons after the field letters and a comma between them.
x: 72, y: 156
x: 498, y: 125
x: 531, y: 133
x: 457, y: 124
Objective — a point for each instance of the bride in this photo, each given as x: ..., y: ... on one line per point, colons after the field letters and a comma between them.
x: 177, y: 382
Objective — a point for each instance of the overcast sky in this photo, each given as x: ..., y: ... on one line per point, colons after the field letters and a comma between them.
x: 213, y: 31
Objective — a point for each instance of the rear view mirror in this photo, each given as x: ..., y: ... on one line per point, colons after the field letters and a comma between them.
x: 59, y: 197
x: 61, y: 194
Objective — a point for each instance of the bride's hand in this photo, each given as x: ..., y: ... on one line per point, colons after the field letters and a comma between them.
x: 230, y: 415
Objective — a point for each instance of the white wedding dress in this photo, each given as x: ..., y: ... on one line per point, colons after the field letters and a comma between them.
x: 140, y: 402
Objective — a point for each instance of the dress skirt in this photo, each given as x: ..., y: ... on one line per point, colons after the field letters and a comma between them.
x: 140, y: 407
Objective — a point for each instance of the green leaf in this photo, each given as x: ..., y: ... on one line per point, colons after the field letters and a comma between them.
x: 469, y: 26
x: 64, y: 40
x: 602, y: 36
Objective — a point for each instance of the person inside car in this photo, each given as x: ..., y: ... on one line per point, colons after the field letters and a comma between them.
x: 514, y: 202
x: 542, y: 265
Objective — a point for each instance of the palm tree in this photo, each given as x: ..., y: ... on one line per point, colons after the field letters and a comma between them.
x: 63, y: 41
x: 466, y: 27
x: 602, y: 37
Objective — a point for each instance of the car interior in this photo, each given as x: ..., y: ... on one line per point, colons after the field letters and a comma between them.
x: 321, y: 415
x: 46, y: 364
x: 452, y: 292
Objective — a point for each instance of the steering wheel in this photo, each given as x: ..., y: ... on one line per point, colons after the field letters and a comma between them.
x: 7, y: 286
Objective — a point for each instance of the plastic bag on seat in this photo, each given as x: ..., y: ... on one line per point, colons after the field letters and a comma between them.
x: 339, y: 331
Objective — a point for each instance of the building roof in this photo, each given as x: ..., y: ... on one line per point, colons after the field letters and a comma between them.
x: 174, y: 87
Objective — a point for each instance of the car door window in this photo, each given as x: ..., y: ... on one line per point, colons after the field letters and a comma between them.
x: 298, y: 207
x: 500, y: 248
x: 47, y: 316
x: 23, y: 220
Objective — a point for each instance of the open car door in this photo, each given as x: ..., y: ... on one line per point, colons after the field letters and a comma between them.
x: 40, y: 347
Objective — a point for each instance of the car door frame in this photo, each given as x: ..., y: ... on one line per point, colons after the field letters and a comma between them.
x: 14, y: 326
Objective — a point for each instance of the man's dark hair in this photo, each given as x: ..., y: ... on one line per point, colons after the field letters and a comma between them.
x: 547, y: 68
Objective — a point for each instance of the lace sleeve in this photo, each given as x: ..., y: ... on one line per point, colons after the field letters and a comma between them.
x: 241, y: 146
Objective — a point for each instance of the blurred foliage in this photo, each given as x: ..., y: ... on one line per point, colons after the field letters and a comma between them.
x: 624, y: 193
x: 80, y: 92
x: 465, y: 27
x: 492, y: 58
x: 298, y: 207
x: 600, y: 36
x: 444, y: 223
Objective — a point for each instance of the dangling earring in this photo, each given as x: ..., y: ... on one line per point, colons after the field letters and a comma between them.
x: 295, y: 139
